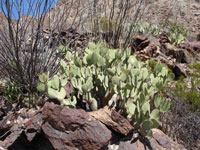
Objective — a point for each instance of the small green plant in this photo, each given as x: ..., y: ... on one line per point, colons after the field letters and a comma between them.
x: 113, y: 77
x: 11, y: 92
x: 196, y: 70
x: 190, y: 94
x: 107, y: 25
x: 176, y: 32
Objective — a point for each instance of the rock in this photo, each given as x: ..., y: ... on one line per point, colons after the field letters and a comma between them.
x: 193, y: 45
x: 139, y: 42
x: 151, y: 51
x: 40, y: 142
x: 188, y: 57
x: 15, y: 131
x: 159, y: 141
x: 69, y: 89
x: 191, y: 51
x: 33, y: 126
x: 56, y: 127
x: 22, y: 130
x: 6, y: 123
x: 164, y: 38
x: 198, y: 35
x: 73, y: 129
x: 179, y: 69
x: 52, y: 127
x: 171, y: 50
x: 113, y: 120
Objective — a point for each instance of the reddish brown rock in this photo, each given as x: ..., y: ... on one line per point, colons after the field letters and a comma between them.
x: 173, y: 51
x: 139, y: 42
x: 70, y: 129
x: 15, y: 131
x: 191, y: 51
x: 194, y: 45
x: 6, y: 122
x: 19, y: 129
x: 113, y: 119
x: 33, y: 126
x: 177, y: 68
x: 159, y: 141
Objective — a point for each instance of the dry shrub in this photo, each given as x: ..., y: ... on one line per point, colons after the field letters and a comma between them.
x: 115, y: 20
x: 28, y: 45
x: 182, y: 124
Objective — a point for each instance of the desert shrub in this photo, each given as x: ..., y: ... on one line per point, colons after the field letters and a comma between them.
x: 181, y: 123
x: 190, y: 95
x: 189, y: 91
x: 116, y: 20
x: 112, y: 77
x: 28, y: 45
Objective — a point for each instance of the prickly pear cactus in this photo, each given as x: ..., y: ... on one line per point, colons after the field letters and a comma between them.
x: 113, y: 77
x: 54, y: 88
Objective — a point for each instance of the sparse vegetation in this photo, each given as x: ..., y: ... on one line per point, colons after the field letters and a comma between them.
x: 146, y: 28
x: 176, y: 32
x: 117, y: 23
x: 11, y: 93
x: 189, y: 91
x: 188, y: 94
x: 184, y: 115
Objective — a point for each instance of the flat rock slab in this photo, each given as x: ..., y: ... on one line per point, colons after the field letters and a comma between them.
x: 159, y: 141
x: 73, y: 129
x: 113, y: 119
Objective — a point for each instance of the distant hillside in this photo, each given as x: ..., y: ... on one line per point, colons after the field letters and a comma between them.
x: 156, y: 12
x: 2, y: 20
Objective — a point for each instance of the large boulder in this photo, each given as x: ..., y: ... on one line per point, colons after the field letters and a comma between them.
x: 73, y: 129
x: 53, y: 127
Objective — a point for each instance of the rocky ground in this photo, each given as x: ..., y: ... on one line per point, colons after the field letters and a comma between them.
x: 180, y: 11
x: 61, y: 128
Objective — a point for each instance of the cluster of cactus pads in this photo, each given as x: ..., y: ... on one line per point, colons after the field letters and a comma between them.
x: 115, y: 78
x: 54, y: 88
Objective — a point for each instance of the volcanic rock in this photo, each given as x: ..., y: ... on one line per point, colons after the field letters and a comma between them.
x: 73, y: 129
